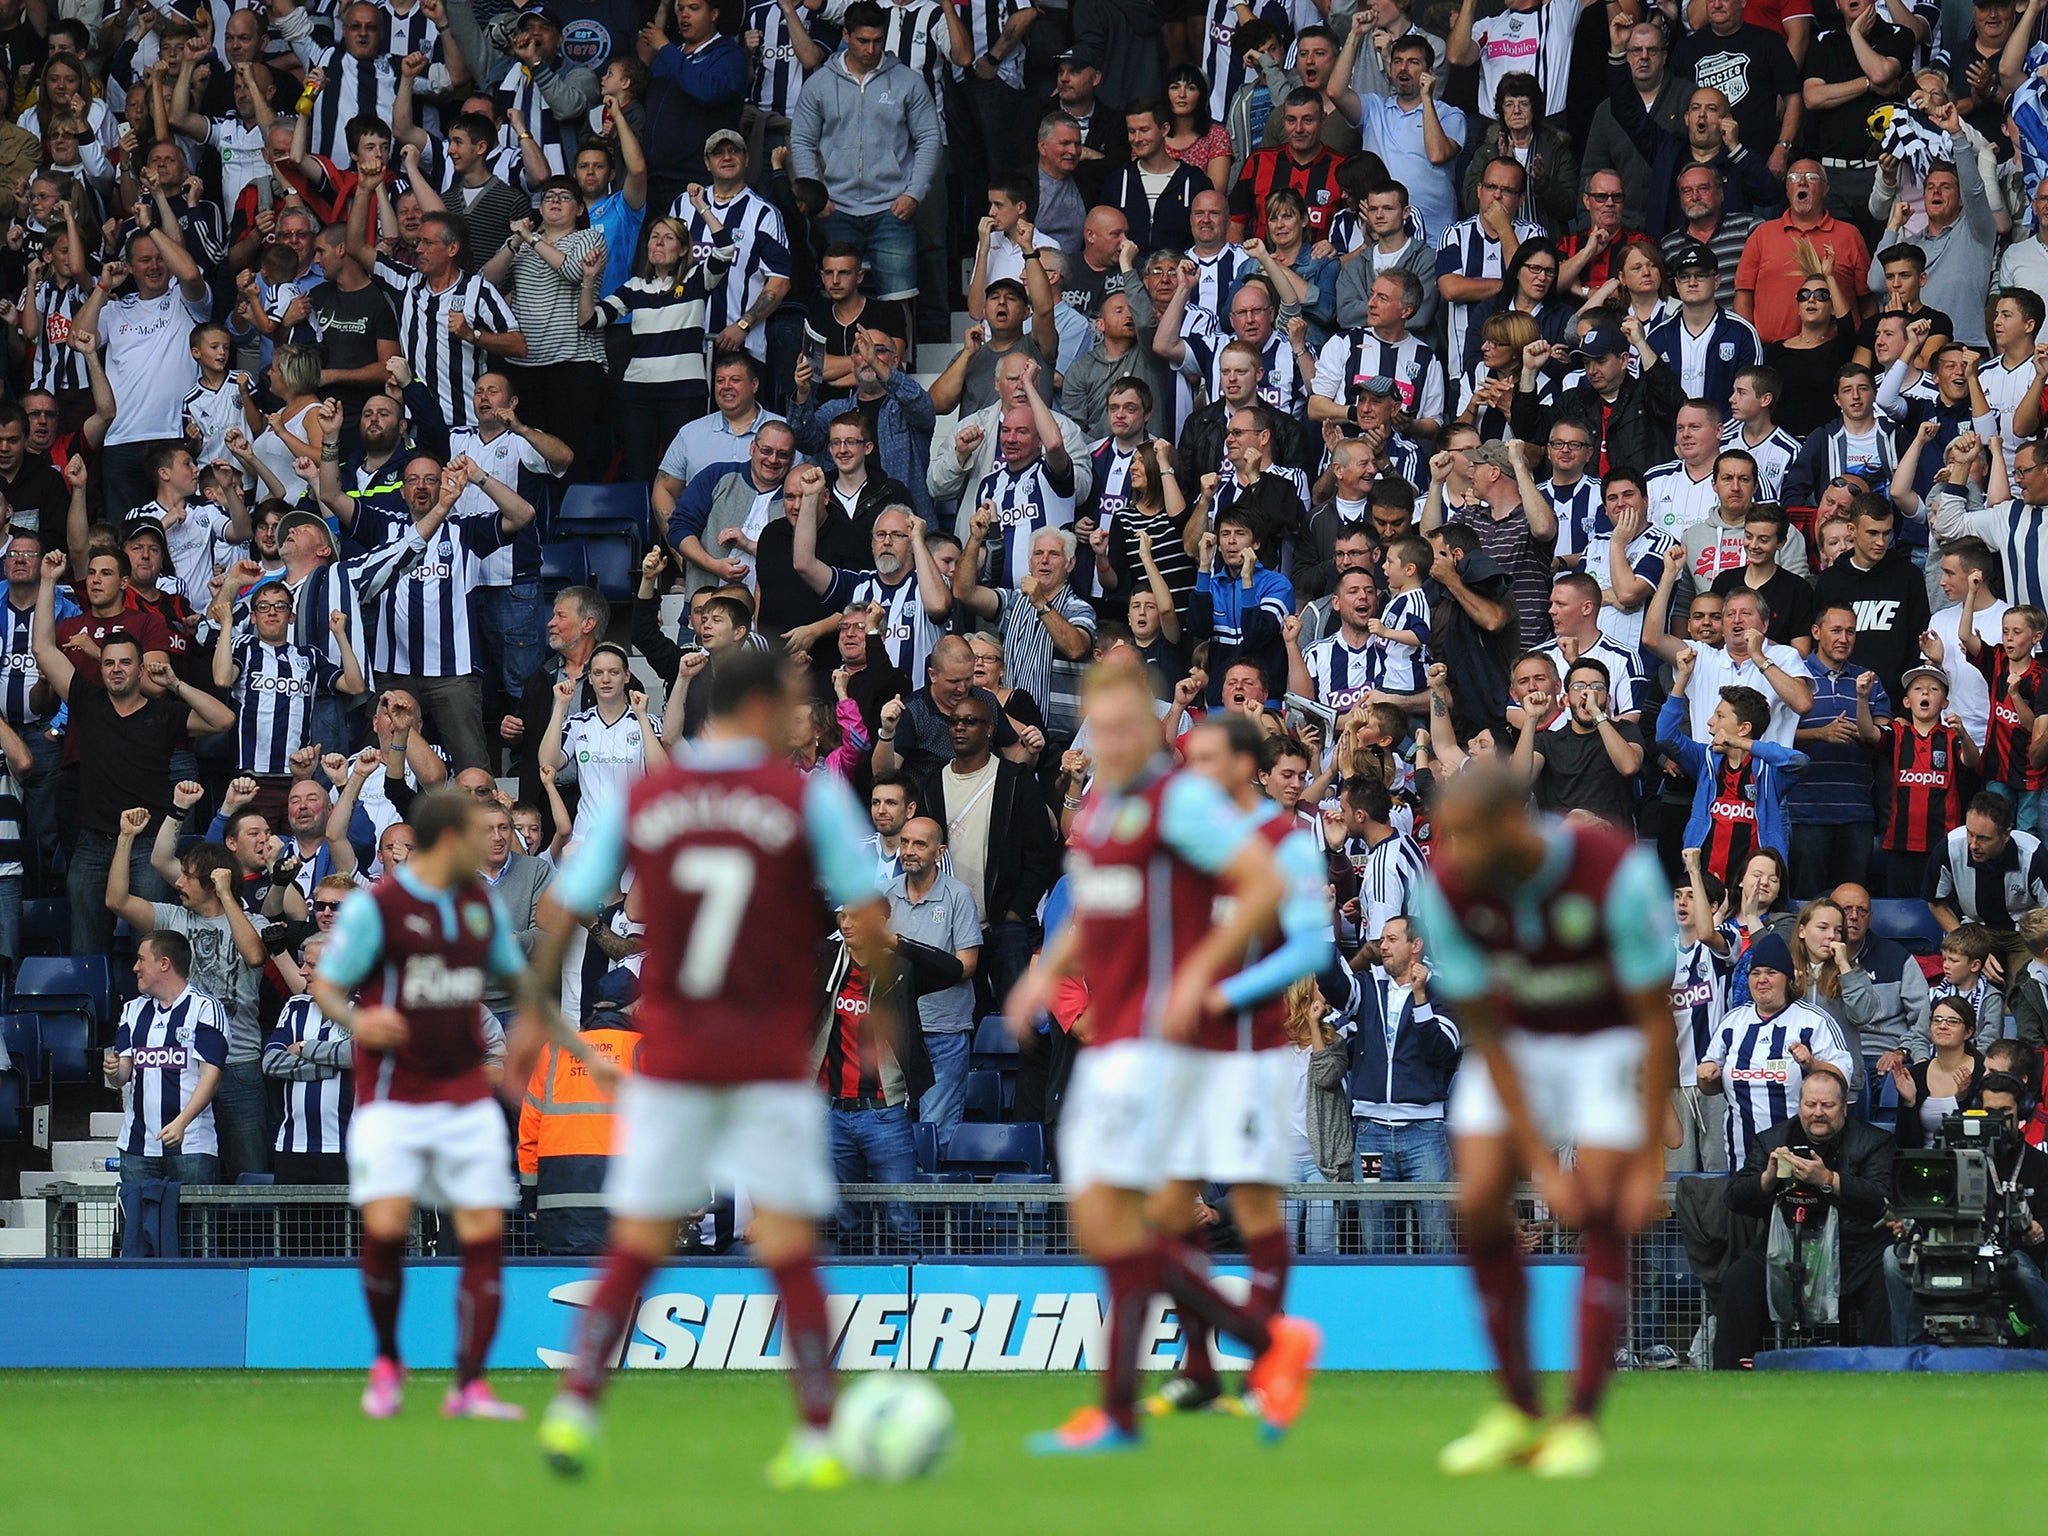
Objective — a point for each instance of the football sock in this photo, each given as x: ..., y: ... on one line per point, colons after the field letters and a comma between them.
x: 1185, y: 1271
x: 604, y: 1323
x: 806, y: 1339
x: 1268, y: 1255
x: 477, y: 1302
x: 383, y: 1280
x: 1133, y: 1281
x: 1504, y: 1297
x: 1197, y: 1361
x: 1603, y: 1308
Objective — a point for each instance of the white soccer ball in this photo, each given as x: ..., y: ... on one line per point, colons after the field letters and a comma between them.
x: 890, y: 1427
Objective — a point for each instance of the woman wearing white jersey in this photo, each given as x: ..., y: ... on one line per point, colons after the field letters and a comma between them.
x: 607, y: 747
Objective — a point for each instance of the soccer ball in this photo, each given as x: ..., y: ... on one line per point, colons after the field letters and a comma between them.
x: 891, y: 1428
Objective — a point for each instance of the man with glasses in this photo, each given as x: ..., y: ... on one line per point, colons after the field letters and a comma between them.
x: 1474, y: 252
x: 1769, y: 277
x: 1662, y: 94
x: 2014, y: 527
x: 1592, y: 252
x: 1573, y: 492
x: 40, y: 407
x: 1589, y: 760
x: 721, y: 514
x: 1254, y: 322
x: 1703, y: 344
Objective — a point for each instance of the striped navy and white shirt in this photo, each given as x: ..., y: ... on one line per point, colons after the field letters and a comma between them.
x: 1699, y: 996
x: 670, y: 324
x: 517, y: 92
x: 420, y: 625
x: 1677, y: 500
x: 1342, y: 674
x: 1280, y: 387
x: 11, y: 818
x: 908, y: 632
x: 1026, y: 501
x: 1390, y: 876
x: 445, y: 365
x: 1993, y: 893
x: 985, y: 22
x: 1217, y: 278
x: 2011, y: 527
x: 917, y: 34
x: 319, y: 1087
x: 1401, y: 667
x: 273, y: 698
x: 1758, y: 1073
x: 414, y: 33
x: 1033, y: 664
x: 1467, y: 250
x: 778, y: 72
x: 53, y: 365
x: 170, y: 1043
x: 1577, y: 507
x: 19, y: 673
x: 355, y: 88
x: 1774, y: 455
x: 1626, y: 673
x: 1346, y: 362
x: 760, y: 243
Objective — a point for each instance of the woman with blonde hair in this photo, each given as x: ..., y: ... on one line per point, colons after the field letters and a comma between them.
x: 1483, y: 398
x: 1320, y: 1119
x: 1826, y: 975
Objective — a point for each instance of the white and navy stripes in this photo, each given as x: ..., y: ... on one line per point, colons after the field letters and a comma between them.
x: 415, y: 33
x: 1467, y: 250
x: 1758, y: 1072
x: 1389, y: 878
x: 778, y: 72
x: 421, y: 624
x: 1577, y: 507
x: 1402, y: 667
x: 170, y: 1044
x: 445, y: 365
x: 917, y: 35
x: 1343, y: 675
x: 985, y: 22
x: 670, y: 323
x: 355, y: 88
x: 53, y: 365
x: 558, y: 140
x: 19, y: 673
x: 1025, y: 501
x: 760, y: 246
x: 1699, y: 996
x: 318, y: 1099
x: 273, y: 698
x: 1280, y: 386
x: 908, y: 632
x: 1217, y: 278
x: 1346, y: 362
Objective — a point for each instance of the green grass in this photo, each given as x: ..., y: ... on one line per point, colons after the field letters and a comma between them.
x: 288, y: 1455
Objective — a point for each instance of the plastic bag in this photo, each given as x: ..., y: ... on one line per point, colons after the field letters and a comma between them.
x: 1816, y: 1297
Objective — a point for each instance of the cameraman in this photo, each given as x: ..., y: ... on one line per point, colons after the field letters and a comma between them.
x: 1846, y: 1164
x: 2002, y: 1095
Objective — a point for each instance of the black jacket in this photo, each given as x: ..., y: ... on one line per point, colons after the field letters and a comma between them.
x: 1479, y: 659
x: 1639, y: 427
x: 1201, y: 446
x: 1862, y: 1155
x: 919, y: 969
x: 1023, y: 860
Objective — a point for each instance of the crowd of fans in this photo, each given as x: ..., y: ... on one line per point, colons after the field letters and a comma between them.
x: 1648, y: 398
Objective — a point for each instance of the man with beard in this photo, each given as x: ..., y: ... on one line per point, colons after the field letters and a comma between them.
x: 904, y: 582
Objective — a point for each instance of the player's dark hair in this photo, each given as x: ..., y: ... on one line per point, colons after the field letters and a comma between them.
x: 169, y: 944
x: 1749, y: 708
x: 1993, y: 807
x: 1239, y: 733
x: 1622, y: 474
x: 743, y: 675
x: 120, y: 637
x: 1763, y: 380
x: 1713, y: 885
x: 1594, y: 665
x: 437, y: 812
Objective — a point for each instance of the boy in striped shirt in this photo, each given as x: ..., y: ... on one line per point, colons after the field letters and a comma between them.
x: 272, y: 681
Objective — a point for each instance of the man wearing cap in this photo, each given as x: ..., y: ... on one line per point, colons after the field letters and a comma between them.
x: 1516, y: 529
x: 866, y: 127
x: 149, y: 562
x: 1633, y: 417
x: 195, y: 531
x: 968, y: 382
x: 1101, y: 124
x: 1703, y: 344
x: 530, y: 76
x: 759, y: 278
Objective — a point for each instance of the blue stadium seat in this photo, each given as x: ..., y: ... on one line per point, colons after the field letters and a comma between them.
x: 22, y: 1034
x: 994, y: 1046
x: 614, y: 567
x: 45, y: 926
x: 67, y: 1039
x: 997, y: 1148
x: 564, y: 563
x: 1908, y: 922
x: 924, y: 1138
x: 84, y: 983
x: 13, y: 1096
x: 984, y: 1096
x: 255, y: 1178
x: 957, y: 1176
x: 622, y: 507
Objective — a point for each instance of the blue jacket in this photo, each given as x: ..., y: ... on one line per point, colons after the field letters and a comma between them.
x: 1732, y: 345
x: 1407, y: 1080
x: 690, y: 96
x: 1777, y: 769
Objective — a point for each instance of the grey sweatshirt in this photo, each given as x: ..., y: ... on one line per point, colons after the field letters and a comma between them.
x: 870, y: 140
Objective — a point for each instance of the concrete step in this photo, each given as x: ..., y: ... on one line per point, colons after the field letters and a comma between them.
x: 36, y: 1184
x: 24, y: 1244
x: 82, y: 1156
x: 18, y: 1215
x: 107, y: 1122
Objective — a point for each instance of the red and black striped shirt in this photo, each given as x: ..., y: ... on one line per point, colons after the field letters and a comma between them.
x: 2005, y: 740
x: 1927, y: 791
x: 851, y: 1068
x: 1267, y: 171
x: 1731, y: 821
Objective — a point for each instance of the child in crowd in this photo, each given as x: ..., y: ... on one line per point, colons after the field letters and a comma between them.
x: 1739, y: 802
x: 1928, y: 752
x: 1964, y: 953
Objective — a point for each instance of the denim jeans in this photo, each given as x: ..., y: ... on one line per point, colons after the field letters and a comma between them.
x: 39, y: 810
x: 92, y: 856
x: 511, y: 624
x: 1311, y: 1223
x: 945, y: 1102
x: 1411, y: 1152
x: 874, y: 1146
x: 241, y: 1114
x: 888, y: 247
x: 184, y: 1167
x: 1908, y: 1328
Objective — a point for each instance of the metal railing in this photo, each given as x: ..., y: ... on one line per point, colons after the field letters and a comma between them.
x: 1365, y: 1222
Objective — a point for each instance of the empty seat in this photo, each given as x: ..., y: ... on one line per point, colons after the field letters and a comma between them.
x: 984, y: 1096
x: 45, y: 926
x: 13, y: 1095
x: 614, y: 567
x: 83, y: 983
x: 624, y: 506
x: 564, y: 563
x: 67, y: 1041
x: 994, y: 1045
x: 1907, y: 922
x: 22, y: 1034
x: 997, y: 1148
x: 924, y: 1138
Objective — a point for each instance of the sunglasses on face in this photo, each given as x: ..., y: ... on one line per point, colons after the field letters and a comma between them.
x: 1813, y: 295
x: 326, y: 906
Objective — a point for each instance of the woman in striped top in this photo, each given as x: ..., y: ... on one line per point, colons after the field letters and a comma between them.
x: 560, y: 380
x: 666, y: 302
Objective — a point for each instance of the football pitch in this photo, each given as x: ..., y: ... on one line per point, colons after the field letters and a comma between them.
x: 230, y: 1452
